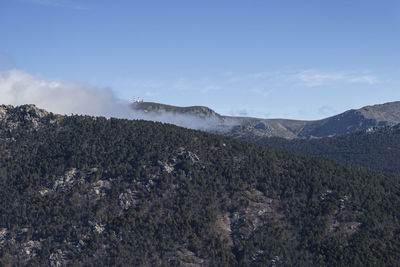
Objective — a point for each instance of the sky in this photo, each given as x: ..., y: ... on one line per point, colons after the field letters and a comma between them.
x: 272, y: 59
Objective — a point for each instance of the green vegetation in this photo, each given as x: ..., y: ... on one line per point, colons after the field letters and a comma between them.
x: 90, y: 191
x: 377, y: 149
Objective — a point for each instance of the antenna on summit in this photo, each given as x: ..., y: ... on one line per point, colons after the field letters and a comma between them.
x: 137, y: 100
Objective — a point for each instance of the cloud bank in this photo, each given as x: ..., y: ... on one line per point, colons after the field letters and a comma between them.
x: 62, y: 97
x: 68, y: 97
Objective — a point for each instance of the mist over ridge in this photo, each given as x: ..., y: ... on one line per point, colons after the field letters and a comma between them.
x: 68, y: 97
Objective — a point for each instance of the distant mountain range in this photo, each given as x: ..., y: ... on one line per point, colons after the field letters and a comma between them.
x: 387, y: 114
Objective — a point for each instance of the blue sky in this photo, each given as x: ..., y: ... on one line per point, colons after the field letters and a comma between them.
x: 293, y: 59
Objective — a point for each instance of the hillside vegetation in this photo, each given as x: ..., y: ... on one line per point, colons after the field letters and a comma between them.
x: 89, y: 191
x: 376, y: 148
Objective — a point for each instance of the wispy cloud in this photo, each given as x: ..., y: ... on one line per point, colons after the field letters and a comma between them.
x: 247, y: 90
x: 58, y: 3
x: 312, y: 78
x: 267, y: 84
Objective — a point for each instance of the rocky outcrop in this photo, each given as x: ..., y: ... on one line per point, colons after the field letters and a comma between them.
x: 24, y: 112
x: 12, y: 117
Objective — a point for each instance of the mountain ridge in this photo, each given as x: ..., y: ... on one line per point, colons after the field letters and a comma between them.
x: 387, y: 114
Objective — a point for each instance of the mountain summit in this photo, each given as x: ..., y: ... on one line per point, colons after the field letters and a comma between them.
x: 151, y: 107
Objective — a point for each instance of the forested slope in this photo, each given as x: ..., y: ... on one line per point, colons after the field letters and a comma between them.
x: 376, y: 148
x: 90, y: 191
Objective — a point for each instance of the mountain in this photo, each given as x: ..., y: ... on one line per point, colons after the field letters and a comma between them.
x: 90, y: 191
x: 242, y: 127
x: 354, y: 120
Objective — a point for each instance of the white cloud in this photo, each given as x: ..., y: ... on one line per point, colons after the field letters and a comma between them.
x: 66, y: 97
x: 312, y: 78
x: 63, y: 97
